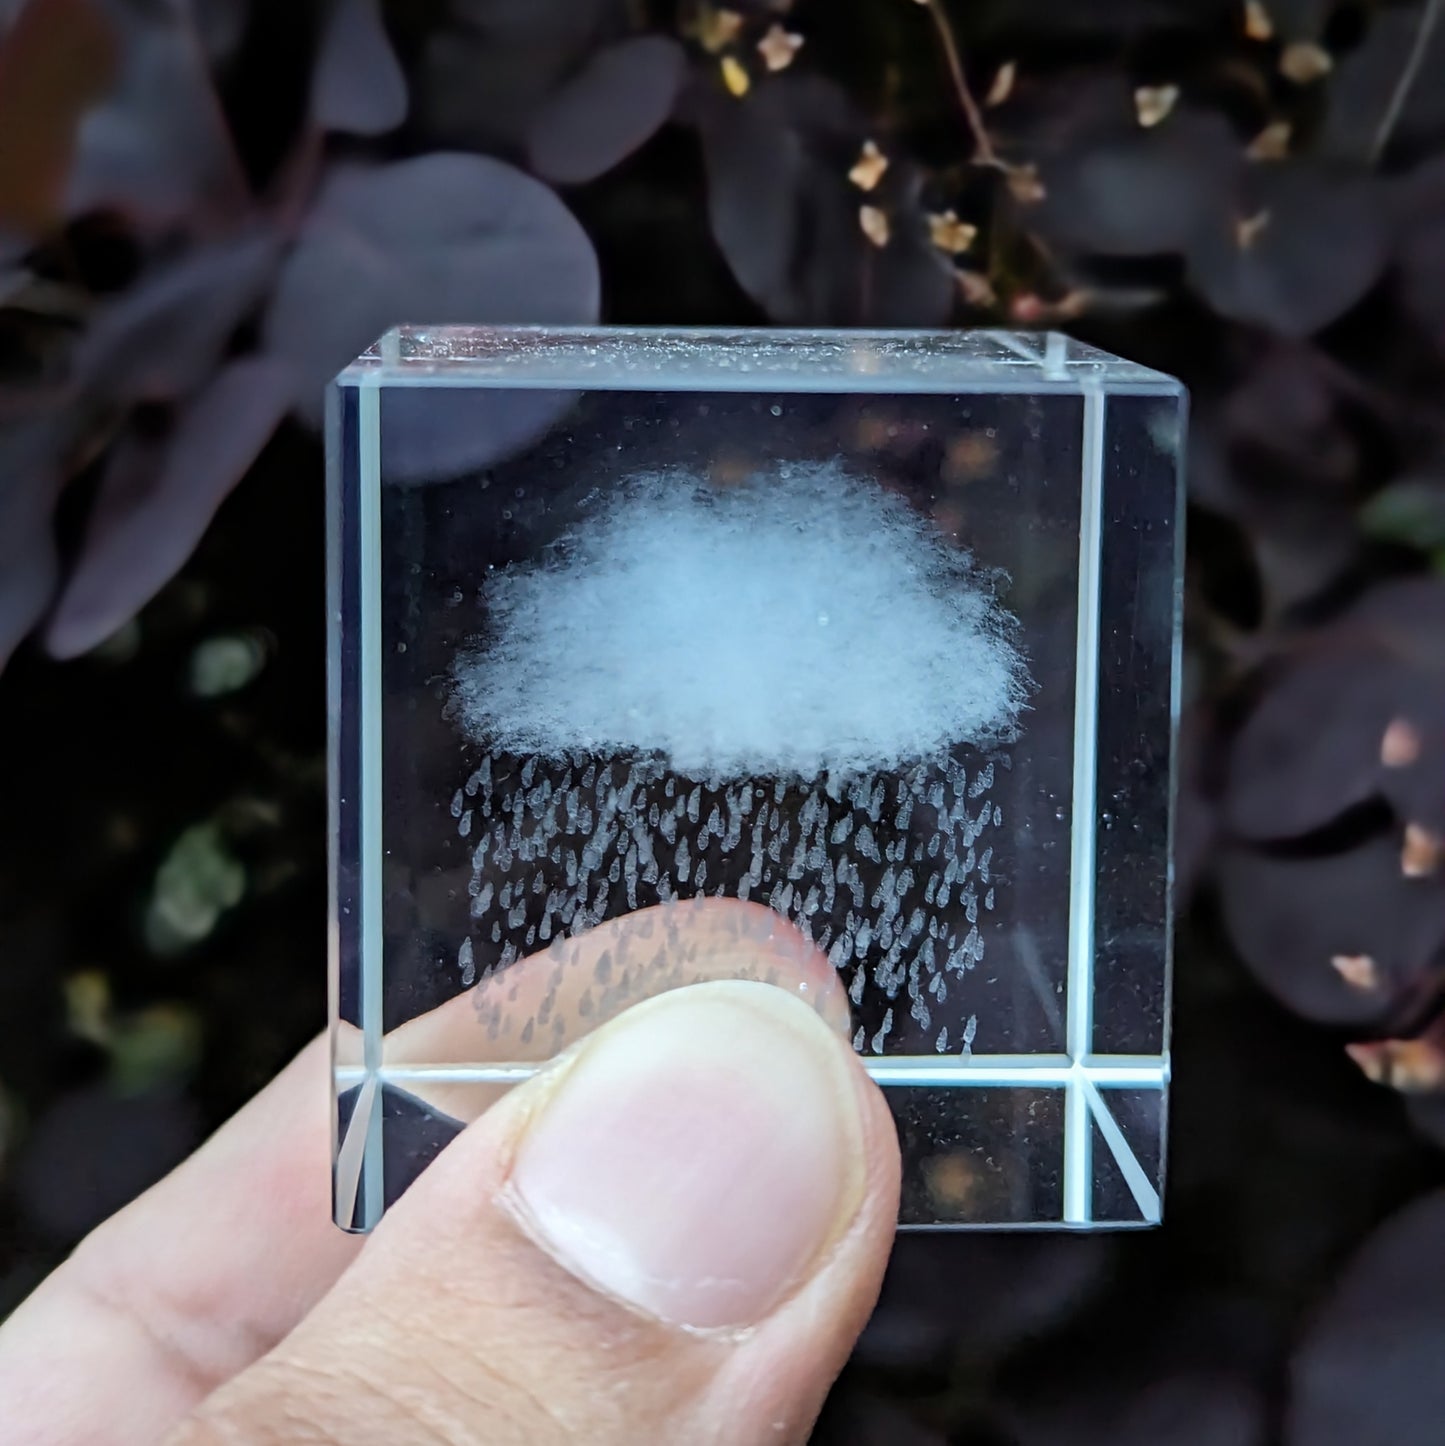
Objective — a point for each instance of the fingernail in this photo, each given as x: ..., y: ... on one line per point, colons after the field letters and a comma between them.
x: 698, y: 1155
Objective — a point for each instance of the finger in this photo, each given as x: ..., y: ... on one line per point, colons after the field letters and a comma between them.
x: 674, y: 1233
x: 187, y: 1285
x: 528, y: 1014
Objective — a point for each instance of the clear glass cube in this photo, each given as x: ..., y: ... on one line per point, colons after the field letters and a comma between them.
x: 845, y: 660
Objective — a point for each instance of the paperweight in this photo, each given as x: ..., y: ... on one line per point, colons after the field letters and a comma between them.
x: 844, y: 660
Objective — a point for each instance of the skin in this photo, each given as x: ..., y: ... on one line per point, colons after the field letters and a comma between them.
x: 223, y: 1306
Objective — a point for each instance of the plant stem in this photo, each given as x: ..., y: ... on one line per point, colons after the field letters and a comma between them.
x: 984, y: 153
x: 1429, y: 18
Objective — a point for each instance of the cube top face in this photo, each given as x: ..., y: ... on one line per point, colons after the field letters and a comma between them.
x: 848, y: 661
x: 710, y: 359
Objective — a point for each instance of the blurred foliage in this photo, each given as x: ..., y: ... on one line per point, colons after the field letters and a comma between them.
x: 208, y: 206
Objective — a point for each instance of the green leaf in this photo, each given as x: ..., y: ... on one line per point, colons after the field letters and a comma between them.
x: 197, y: 882
x: 1410, y: 512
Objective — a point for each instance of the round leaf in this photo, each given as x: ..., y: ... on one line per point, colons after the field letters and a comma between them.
x: 1297, y: 252
x: 442, y: 238
x: 606, y: 111
x: 1369, y: 1370
x: 155, y: 501
x: 1291, y: 918
x: 359, y: 87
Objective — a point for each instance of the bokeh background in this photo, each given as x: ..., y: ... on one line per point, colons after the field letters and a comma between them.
x: 206, y: 206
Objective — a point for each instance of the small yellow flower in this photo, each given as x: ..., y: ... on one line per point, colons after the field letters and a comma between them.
x: 1257, y: 24
x: 1357, y: 970
x: 778, y: 47
x: 1400, y: 744
x: 1422, y: 852
x: 950, y: 234
x: 874, y: 223
x: 1003, y: 84
x: 1247, y: 229
x: 1304, y: 62
x: 1152, y: 103
x: 715, y: 30
x: 1024, y: 184
x: 735, y: 76
x: 1271, y: 144
x: 868, y: 169
x: 976, y: 288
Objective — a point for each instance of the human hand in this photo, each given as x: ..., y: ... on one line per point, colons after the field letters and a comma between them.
x: 674, y: 1233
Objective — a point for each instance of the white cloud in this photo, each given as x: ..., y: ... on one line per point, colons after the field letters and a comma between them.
x: 806, y: 622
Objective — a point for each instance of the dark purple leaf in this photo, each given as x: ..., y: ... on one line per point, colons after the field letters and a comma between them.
x: 156, y: 500
x: 1298, y: 249
x: 434, y: 434
x: 1300, y: 558
x: 442, y: 238
x: 976, y: 1295
x: 1372, y: 95
x: 1368, y: 1372
x: 856, y: 1417
x: 1181, y: 1410
x: 1301, y: 540
x: 1135, y: 192
x: 29, y: 567
x: 165, y: 334
x: 1299, y: 19
x: 1427, y: 1114
x: 157, y: 148
x: 484, y: 79
x: 95, y: 1150
x: 1419, y: 202
x: 1311, y: 750
x: 359, y: 87
x: 220, y: 25
x: 607, y: 110
x: 1291, y: 917
x: 1290, y: 414
x: 1196, y: 820
x: 787, y: 218
x: 1105, y: 19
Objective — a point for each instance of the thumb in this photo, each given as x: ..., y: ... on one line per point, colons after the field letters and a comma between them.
x: 673, y: 1233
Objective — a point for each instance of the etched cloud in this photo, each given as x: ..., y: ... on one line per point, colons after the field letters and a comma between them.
x: 807, y: 622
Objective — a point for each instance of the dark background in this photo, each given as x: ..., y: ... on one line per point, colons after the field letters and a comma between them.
x: 205, y: 210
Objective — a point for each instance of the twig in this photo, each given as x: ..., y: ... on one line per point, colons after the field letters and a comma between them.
x: 984, y: 153
x: 1429, y: 18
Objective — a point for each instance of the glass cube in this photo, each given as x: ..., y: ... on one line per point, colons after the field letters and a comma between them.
x: 844, y: 660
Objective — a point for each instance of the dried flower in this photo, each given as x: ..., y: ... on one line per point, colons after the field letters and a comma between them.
x: 1153, y: 102
x: 1358, y: 971
x: 1303, y: 61
x: 952, y: 1182
x: 1400, y: 744
x: 950, y: 234
x: 778, y: 47
x: 868, y: 169
x: 1412, y: 1066
x: 1031, y: 309
x: 715, y: 30
x: 735, y: 76
x: 1024, y: 184
x: 1257, y: 24
x: 976, y: 288
x: 875, y: 224
x: 1247, y: 229
x: 1003, y: 84
x: 1272, y: 143
x: 1422, y: 851
x: 970, y: 455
